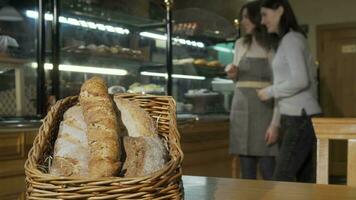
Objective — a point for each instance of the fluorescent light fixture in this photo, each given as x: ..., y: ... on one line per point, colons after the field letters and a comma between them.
x: 223, y: 49
x: 175, y: 40
x: 84, y: 69
x: 153, y: 35
x: 200, y: 45
x: 188, y: 77
x: 73, y: 22
x: 79, y: 22
x: 83, y: 24
x: 31, y: 14
x: 91, y: 25
x: 165, y: 75
x: 179, y: 76
x: 101, y: 27
x: 182, y: 41
x: 110, y: 28
x: 48, y: 17
x: 62, y: 20
x: 121, y: 30
x: 93, y: 70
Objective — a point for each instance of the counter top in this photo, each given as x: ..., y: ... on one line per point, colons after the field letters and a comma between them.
x: 204, y: 118
x: 19, y: 122
x: 198, y: 187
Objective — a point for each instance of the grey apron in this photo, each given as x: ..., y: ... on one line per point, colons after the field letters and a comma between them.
x: 249, y: 117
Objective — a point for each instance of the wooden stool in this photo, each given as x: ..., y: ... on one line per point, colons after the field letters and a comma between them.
x: 335, y: 129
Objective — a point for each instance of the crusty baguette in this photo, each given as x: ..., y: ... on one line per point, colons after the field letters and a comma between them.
x: 102, y: 131
x: 136, y: 120
x: 70, y: 157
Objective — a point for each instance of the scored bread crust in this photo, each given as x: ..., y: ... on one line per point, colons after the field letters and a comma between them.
x: 102, y: 131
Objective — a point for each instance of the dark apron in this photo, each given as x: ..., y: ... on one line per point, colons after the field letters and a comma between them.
x: 250, y: 117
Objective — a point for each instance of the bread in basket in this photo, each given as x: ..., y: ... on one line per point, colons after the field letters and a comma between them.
x: 165, y: 183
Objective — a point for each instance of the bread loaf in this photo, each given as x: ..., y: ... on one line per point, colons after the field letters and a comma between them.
x: 136, y: 120
x: 102, y: 129
x: 214, y: 63
x: 200, y: 62
x: 144, y: 155
x: 70, y: 157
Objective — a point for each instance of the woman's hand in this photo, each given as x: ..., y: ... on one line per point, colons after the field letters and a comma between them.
x: 271, y: 136
x: 262, y: 94
x: 231, y: 71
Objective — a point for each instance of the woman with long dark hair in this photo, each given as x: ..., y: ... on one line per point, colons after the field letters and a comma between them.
x: 294, y: 90
x: 252, y: 134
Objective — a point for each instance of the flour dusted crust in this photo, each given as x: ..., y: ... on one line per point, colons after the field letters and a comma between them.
x: 144, y: 155
x: 136, y: 120
x: 145, y: 151
x: 102, y: 129
x: 70, y: 156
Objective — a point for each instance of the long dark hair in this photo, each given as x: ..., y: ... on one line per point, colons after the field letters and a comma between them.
x: 260, y: 32
x: 288, y: 20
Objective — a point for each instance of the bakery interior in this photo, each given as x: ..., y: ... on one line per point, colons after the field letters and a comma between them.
x: 176, y: 48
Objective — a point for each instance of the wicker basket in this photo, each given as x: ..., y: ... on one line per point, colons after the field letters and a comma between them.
x: 163, y: 184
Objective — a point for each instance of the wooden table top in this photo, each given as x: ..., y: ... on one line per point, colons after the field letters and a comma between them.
x: 209, y: 188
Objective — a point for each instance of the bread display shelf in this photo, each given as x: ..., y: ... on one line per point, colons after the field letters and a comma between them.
x: 85, y: 54
x: 112, y: 61
x: 201, y: 70
x: 163, y: 184
x: 209, y: 71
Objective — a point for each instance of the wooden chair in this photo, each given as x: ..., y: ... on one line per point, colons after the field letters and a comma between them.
x: 335, y: 129
x: 235, y: 167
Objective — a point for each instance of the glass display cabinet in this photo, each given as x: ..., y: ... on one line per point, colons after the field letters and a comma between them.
x: 48, y: 49
x: 17, y: 53
x: 137, y: 46
x: 115, y: 39
x: 202, y: 47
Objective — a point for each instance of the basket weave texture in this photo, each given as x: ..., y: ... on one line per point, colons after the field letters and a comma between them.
x: 163, y: 184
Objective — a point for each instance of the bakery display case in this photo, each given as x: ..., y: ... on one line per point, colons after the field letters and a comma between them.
x: 206, y: 90
x: 17, y: 78
x: 137, y: 46
x: 115, y: 41
x: 119, y: 40
x: 48, y: 49
x: 202, y: 47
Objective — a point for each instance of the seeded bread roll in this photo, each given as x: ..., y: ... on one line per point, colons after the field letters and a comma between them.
x: 102, y: 129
